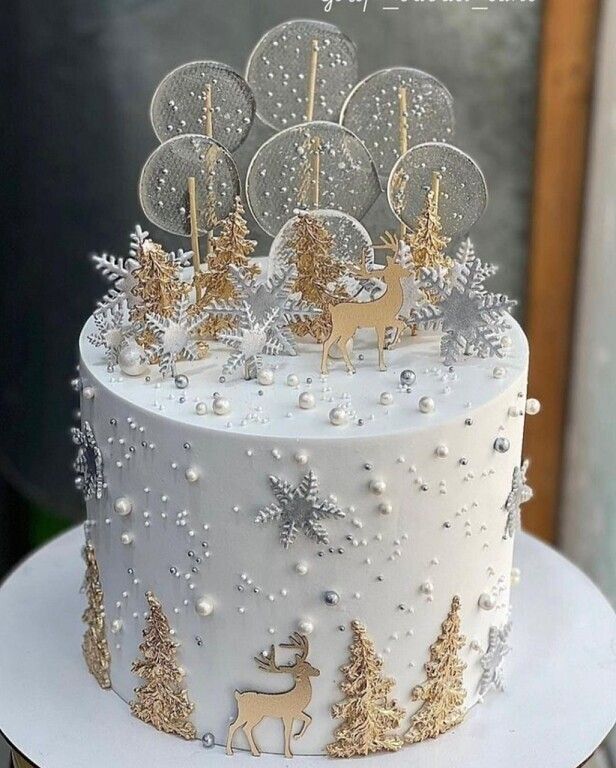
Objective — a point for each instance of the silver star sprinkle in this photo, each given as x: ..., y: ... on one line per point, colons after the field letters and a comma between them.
x: 299, y: 510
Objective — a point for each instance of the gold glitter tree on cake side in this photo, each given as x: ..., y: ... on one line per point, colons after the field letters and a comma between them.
x: 318, y: 274
x: 231, y: 247
x: 369, y: 715
x: 95, y: 647
x: 161, y: 701
x: 443, y: 692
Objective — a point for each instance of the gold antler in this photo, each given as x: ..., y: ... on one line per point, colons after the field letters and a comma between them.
x: 298, y: 642
x: 268, y: 664
x: 389, y: 242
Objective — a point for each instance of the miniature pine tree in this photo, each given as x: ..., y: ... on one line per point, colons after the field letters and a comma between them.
x: 95, y: 647
x: 318, y: 274
x: 158, y: 285
x: 160, y: 701
x: 369, y: 715
x: 232, y: 246
x: 443, y: 693
x: 427, y: 241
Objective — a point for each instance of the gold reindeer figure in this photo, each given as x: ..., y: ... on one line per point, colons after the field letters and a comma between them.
x: 290, y: 705
x: 382, y: 313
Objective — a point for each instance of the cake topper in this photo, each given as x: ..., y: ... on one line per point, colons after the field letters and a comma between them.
x: 301, y: 70
x: 461, y: 195
x: 113, y: 328
x: 314, y: 165
x: 206, y: 98
x: 395, y: 109
x: 291, y: 705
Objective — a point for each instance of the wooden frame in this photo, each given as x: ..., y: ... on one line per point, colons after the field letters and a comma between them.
x: 564, y: 102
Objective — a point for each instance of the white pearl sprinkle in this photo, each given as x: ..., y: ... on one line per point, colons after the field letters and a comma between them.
x: 123, y: 506
x: 426, y: 405
x: 306, y: 401
x: 192, y: 474
x: 204, y: 606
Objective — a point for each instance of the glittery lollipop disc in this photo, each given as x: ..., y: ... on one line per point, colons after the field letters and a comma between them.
x: 389, y: 122
x: 463, y: 193
x: 279, y: 72
x: 351, y: 239
x: 180, y: 104
x: 163, y: 187
x: 284, y: 176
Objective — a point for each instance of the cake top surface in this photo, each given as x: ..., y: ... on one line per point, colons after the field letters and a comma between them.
x: 274, y: 409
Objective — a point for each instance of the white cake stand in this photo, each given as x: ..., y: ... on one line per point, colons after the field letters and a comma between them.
x: 559, y: 705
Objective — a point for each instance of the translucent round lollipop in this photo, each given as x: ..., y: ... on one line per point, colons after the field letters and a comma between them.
x: 280, y: 70
x: 164, y: 184
x: 395, y: 109
x: 463, y: 195
x: 314, y: 165
x: 207, y: 98
x: 351, y: 239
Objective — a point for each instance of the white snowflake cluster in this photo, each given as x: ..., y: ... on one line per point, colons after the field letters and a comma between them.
x: 491, y: 662
x: 472, y: 320
x: 261, y: 314
x: 298, y: 509
x: 113, y: 329
x: 176, y: 336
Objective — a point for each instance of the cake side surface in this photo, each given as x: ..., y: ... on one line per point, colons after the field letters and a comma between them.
x: 411, y: 490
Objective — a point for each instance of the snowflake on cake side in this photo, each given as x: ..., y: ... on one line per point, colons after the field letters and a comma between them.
x: 472, y: 320
x: 261, y: 315
x: 89, y: 462
x: 175, y: 336
x: 492, y: 676
x: 519, y: 494
x: 299, y: 510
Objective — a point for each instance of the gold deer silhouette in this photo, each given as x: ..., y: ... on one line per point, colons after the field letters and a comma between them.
x: 380, y: 314
x: 253, y: 707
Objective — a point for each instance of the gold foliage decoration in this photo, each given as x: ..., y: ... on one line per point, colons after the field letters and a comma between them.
x: 427, y: 241
x: 231, y: 247
x: 369, y: 715
x: 443, y: 692
x: 95, y: 647
x: 161, y: 701
x: 318, y: 274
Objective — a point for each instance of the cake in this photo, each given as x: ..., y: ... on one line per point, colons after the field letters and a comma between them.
x: 280, y: 531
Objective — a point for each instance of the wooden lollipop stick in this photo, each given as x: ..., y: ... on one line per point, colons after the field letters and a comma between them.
x: 436, y: 187
x: 312, y: 80
x: 194, y: 233
x: 316, y: 172
x: 208, y: 117
x: 403, y: 126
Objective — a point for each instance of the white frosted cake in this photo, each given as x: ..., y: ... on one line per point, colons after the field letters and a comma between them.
x: 303, y: 475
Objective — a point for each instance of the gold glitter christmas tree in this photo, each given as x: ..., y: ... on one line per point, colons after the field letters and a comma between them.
x: 158, y: 285
x: 160, y: 701
x: 95, y: 648
x: 318, y: 274
x: 427, y: 241
x: 232, y: 246
x: 369, y: 715
x: 443, y: 693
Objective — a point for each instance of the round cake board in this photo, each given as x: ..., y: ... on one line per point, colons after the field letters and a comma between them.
x: 559, y: 705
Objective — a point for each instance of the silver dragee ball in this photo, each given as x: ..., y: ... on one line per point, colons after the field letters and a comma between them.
x: 181, y: 381
x: 331, y: 598
x: 408, y: 377
x: 208, y: 740
x: 502, y: 445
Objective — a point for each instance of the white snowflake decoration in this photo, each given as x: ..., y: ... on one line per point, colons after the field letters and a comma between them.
x: 519, y: 494
x: 491, y: 662
x: 250, y: 340
x: 299, y: 510
x: 89, y: 462
x: 272, y: 303
x: 176, y: 336
x: 471, y: 319
x: 113, y: 329
x: 118, y: 271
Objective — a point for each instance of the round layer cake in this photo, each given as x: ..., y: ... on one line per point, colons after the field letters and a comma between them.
x: 301, y: 504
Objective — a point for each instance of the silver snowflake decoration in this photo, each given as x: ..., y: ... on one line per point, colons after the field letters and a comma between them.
x: 119, y: 271
x: 271, y: 302
x: 176, y: 336
x: 89, y: 462
x: 249, y: 341
x: 299, y: 510
x: 491, y: 662
x: 113, y: 328
x: 519, y: 494
x: 472, y: 320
